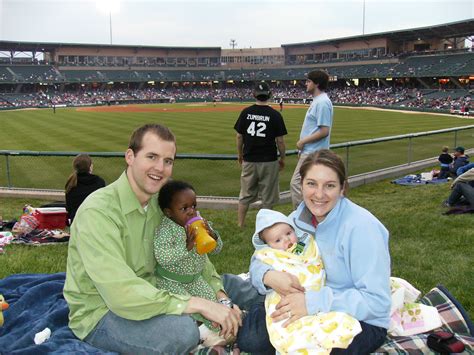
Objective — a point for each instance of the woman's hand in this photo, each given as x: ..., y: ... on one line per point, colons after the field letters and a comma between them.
x: 282, y: 282
x: 291, y: 307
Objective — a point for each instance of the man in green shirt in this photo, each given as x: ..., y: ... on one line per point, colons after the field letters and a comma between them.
x: 110, y: 281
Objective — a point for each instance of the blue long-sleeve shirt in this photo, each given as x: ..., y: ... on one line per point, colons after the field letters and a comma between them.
x: 354, y: 248
x: 464, y: 168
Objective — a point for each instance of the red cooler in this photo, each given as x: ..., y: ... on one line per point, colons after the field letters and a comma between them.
x: 51, y: 217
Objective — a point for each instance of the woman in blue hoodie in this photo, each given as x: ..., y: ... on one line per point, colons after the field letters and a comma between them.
x: 354, y: 248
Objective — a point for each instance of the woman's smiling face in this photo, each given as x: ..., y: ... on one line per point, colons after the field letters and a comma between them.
x: 321, y: 190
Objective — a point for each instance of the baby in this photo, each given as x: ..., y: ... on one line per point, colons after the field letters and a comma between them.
x: 445, y: 159
x: 278, y: 245
x: 180, y: 269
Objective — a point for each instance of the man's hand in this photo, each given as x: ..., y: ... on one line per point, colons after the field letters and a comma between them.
x: 291, y: 307
x: 300, y: 144
x: 209, y: 229
x: 282, y: 282
x: 281, y: 163
x: 240, y: 159
x: 191, y: 234
x: 229, y: 319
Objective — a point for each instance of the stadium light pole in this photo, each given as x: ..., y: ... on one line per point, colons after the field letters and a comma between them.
x: 109, y: 7
x: 110, y: 24
x: 363, y: 18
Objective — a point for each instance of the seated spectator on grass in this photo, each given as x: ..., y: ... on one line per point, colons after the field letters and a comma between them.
x: 110, y: 278
x: 462, y: 190
x: 445, y: 159
x: 354, y: 248
x: 460, y: 159
x: 80, y: 184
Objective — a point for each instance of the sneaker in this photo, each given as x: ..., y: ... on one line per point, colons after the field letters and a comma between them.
x: 445, y: 204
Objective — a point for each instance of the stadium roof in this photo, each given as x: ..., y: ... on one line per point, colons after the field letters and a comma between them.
x: 47, y: 46
x: 448, y: 30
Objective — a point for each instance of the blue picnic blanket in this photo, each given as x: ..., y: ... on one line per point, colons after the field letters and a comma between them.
x: 415, y: 180
x: 36, y: 302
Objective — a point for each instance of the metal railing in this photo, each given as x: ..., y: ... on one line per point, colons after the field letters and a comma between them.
x: 219, y: 174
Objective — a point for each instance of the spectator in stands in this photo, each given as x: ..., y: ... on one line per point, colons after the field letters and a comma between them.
x: 80, y: 184
x: 316, y: 130
x: 460, y: 159
x: 110, y: 278
x: 462, y: 190
x: 260, y: 130
x: 363, y: 95
x: 445, y: 159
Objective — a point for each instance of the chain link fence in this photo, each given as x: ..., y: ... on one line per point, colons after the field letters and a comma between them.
x: 217, y: 174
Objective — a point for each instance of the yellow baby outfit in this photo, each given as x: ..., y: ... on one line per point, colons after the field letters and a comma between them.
x: 313, y: 334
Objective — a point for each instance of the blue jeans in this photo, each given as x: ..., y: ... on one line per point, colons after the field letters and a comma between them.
x: 369, y: 340
x: 165, y: 334
x: 253, y: 335
x: 461, y: 189
x: 171, y: 334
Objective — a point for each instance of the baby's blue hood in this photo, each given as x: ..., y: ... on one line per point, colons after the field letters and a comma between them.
x: 267, y: 218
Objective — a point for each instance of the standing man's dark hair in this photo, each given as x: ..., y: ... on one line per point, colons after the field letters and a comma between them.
x: 260, y: 130
x: 320, y: 78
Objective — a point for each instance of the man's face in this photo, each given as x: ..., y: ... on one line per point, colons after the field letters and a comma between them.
x: 151, y: 167
x: 310, y: 86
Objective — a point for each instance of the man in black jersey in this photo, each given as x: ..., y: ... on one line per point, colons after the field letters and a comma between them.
x: 260, y: 130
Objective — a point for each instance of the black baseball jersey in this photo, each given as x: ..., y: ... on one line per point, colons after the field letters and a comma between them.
x: 259, y: 126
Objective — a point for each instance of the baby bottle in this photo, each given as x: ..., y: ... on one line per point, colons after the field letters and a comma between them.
x: 204, y: 242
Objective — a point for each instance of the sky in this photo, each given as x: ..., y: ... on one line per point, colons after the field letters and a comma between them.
x: 256, y: 24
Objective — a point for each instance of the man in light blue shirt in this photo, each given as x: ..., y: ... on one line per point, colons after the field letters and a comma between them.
x: 316, y: 130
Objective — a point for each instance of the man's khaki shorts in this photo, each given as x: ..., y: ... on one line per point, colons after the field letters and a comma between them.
x: 260, y: 180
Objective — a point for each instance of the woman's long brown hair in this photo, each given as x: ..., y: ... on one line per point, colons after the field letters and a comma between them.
x: 81, y: 164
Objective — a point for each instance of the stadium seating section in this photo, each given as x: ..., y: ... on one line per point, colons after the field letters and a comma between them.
x: 414, y: 66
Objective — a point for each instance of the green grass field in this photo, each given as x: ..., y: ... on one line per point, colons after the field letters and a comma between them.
x: 426, y: 247
x: 202, y: 132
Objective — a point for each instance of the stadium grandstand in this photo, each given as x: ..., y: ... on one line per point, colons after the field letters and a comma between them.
x: 426, y: 68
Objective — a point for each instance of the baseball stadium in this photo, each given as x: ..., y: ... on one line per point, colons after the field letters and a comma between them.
x: 399, y: 97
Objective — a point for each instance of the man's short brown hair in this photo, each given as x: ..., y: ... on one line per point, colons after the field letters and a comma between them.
x: 161, y: 131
